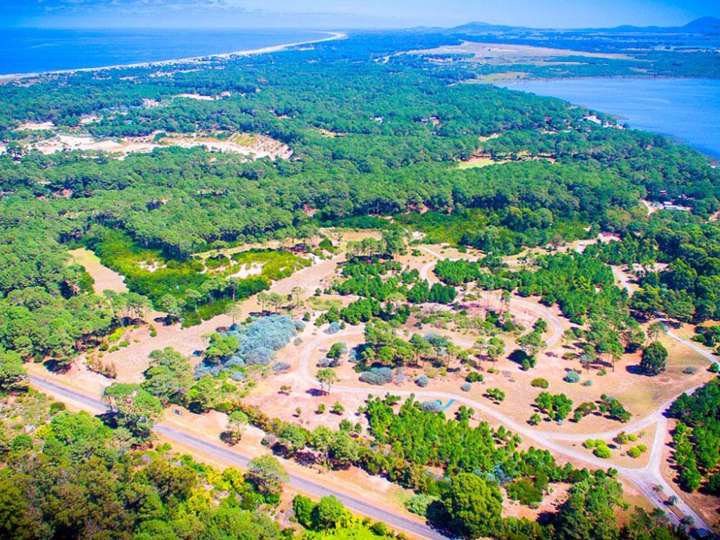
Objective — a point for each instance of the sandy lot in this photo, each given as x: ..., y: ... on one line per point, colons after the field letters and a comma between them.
x: 510, y: 54
x: 105, y: 279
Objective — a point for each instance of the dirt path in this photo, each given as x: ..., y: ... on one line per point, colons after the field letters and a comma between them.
x: 645, y: 478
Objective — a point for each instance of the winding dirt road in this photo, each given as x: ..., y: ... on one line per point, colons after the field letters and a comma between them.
x: 646, y: 479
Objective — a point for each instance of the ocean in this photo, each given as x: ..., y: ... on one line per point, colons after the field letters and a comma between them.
x: 38, y: 50
x: 687, y: 110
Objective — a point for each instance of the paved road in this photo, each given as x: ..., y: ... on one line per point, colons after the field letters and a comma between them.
x: 235, y: 458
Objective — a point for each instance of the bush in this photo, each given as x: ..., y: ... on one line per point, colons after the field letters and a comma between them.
x: 637, y: 451
x: 422, y: 381
x: 474, y: 377
x: 600, y: 448
x: 56, y: 407
x: 432, y: 406
x: 466, y: 387
x: 572, y: 377
x: 377, y: 376
x: 690, y: 370
x: 418, y: 504
x: 281, y: 367
x: 539, y: 382
x: 714, y: 367
x: 255, y: 343
x: 333, y: 328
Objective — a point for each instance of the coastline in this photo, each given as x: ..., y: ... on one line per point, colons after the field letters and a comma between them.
x: 636, y: 119
x: 331, y: 36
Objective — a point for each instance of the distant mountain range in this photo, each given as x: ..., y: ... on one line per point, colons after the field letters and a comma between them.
x: 703, y: 25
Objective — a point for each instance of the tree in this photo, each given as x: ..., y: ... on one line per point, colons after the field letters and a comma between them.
x: 473, y: 505
x: 327, y: 377
x: 532, y: 343
x: 237, y: 422
x: 12, y: 373
x: 134, y: 409
x: 556, y: 406
x: 589, y: 511
x: 293, y: 438
x: 296, y: 294
x: 303, y: 509
x: 221, y: 346
x: 329, y: 513
x: 494, y: 348
x: 235, y: 310
x: 170, y: 305
x: 654, y: 358
x: 654, y: 330
x: 336, y: 351
x: 169, y: 376
x: 267, y: 477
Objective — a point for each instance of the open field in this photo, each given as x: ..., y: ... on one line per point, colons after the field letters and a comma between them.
x: 511, y: 54
x: 104, y: 278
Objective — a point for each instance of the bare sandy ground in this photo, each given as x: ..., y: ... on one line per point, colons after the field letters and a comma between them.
x: 510, y: 54
x: 252, y: 146
x: 105, y: 278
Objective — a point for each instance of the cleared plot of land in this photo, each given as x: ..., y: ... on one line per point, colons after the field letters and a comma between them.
x: 104, y: 278
x: 510, y: 54
x: 252, y: 146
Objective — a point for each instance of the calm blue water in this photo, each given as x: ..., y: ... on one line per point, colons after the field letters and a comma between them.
x: 686, y: 109
x: 35, y: 50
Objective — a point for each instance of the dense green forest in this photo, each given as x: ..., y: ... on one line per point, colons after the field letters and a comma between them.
x: 370, y: 139
x: 68, y: 475
x: 697, y: 438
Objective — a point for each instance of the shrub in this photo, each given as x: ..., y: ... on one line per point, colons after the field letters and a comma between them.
x: 572, y: 377
x: 333, y: 328
x: 637, y: 451
x: 715, y: 367
x: 432, y: 406
x: 599, y: 447
x: 377, y: 376
x: 495, y: 394
x: 474, y: 377
x: 337, y: 408
x: 422, y: 381
x: 418, y: 504
x: 281, y: 367
x: 466, y: 387
x: 255, y: 343
x: 56, y: 407
x: 690, y: 370
x: 539, y: 382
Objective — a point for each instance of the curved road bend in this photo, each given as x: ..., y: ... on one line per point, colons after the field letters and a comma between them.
x: 234, y: 458
x: 644, y: 478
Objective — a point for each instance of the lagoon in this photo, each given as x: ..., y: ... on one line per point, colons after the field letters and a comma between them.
x: 685, y: 109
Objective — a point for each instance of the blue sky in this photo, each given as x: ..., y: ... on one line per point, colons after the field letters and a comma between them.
x: 349, y: 13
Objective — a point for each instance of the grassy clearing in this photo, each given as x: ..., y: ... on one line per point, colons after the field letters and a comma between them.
x: 476, y: 163
x: 201, y: 286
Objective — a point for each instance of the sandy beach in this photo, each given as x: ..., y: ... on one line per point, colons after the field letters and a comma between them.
x: 331, y: 36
